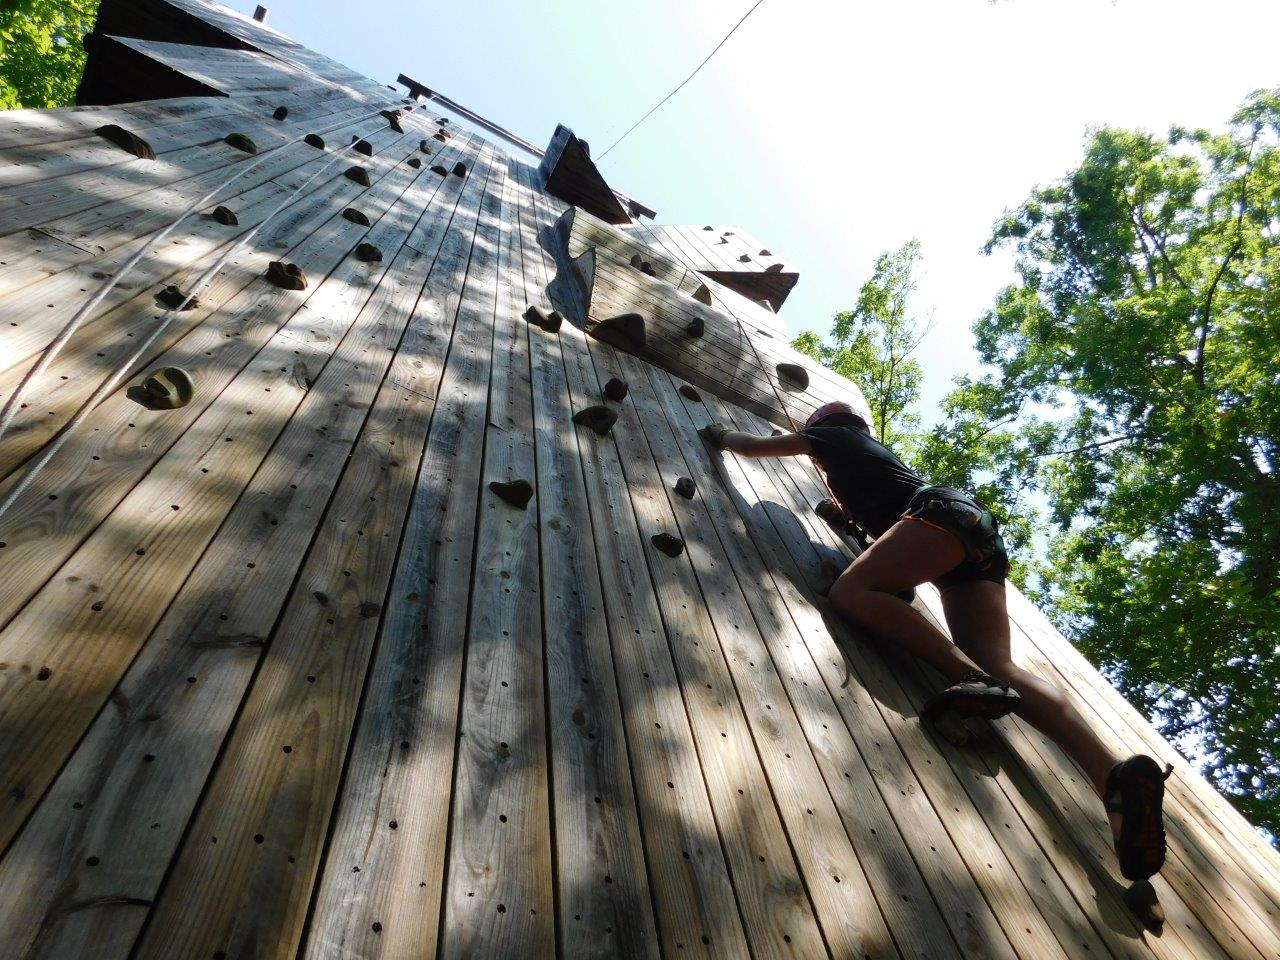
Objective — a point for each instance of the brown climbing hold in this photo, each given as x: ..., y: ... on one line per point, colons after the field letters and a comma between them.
x: 362, y: 146
x: 696, y: 328
x: 459, y: 169
x: 240, y: 142
x: 439, y: 168
x: 703, y: 294
x: 518, y: 493
x: 424, y: 147
x: 685, y: 487
x: 173, y: 298
x: 773, y: 268
x: 626, y: 330
x: 280, y: 114
x: 286, y: 275
x: 765, y: 253
x: 127, y: 141
x: 355, y: 216
x: 666, y: 543
x: 548, y: 320
x: 165, y: 389
x: 368, y: 253
x: 793, y: 377
x: 615, y: 390
x: 744, y: 259
x: 359, y: 174
x: 441, y: 136
x: 314, y: 140
x: 689, y: 393
x: 225, y: 216
x: 393, y: 120
x: 414, y: 162
x: 599, y: 418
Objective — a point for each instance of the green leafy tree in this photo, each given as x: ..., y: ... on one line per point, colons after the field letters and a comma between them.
x: 42, y: 51
x: 873, y: 343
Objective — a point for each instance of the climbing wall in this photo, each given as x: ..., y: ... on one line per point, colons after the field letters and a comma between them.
x: 370, y: 650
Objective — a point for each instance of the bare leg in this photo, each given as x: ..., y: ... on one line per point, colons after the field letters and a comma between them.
x: 980, y: 626
x: 908, y: 554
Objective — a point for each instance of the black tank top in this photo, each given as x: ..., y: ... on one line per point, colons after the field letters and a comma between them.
x: 871, y: 483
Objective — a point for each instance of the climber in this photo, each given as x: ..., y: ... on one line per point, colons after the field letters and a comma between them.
x: 938, y: 534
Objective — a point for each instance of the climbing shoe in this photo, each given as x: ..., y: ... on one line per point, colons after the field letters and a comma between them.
x: 974, y: 695
x: 1135, y: 791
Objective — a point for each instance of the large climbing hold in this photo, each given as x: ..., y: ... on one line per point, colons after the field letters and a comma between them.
x: 393, y: 120
x: 314, y: 140
x: 358, y: 174
x: 666, y: 543
x: 598, y: 418
x: 615, y: 390
x: 439, y: 169
x: 173, y: 298
x: 360, y: 145
x: 703, y: 294
x: 225, y: 216
x: 424, y: 147
x: 368, y: 253
x: 548, y: 320
x: 125, y: 140
x: 518, y: 493
x: 286, y: 275
x: 626, y: 330
x: 165, y: 389
x: 685, y: 487
x: 415, y: 163
x: 355, y: 216
x: 773, y: 268
x: 689, y: 393
x: 459, y: 169
x: 793, y: 377
x: 240, y: 142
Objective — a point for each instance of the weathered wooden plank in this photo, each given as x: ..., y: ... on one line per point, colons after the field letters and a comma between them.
x: 69, y: 646
x: 109, y: 803
x: 595, y: 808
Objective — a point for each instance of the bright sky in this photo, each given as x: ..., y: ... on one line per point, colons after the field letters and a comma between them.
x: 831, y: 131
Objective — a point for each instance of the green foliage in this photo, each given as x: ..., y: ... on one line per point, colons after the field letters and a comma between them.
x: 41, y: 51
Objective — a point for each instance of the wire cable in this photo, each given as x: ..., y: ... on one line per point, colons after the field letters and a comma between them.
x: 655, y: 107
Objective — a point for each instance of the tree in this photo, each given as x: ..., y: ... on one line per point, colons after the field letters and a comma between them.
x: 42, y: 51
x: 872, y: 344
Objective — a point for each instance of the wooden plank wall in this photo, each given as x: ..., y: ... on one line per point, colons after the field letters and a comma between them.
x: 282, y: 676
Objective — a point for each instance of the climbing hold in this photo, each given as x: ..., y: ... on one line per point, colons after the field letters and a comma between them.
x: 441, y: 136
x: 362, y: 146
x: 518, y: 493
x: 636, y: 260
x: 685, y: 487
x: 359, y: 174
x: 314, y: 140
x: 173, y: 298
x: 722, y: 240
x: 703, y: 294
x: 793, y: 377
x: 393, y: 119
x: 599, y: 418
x: 773, y: 268
x: 1141, y: 898
x: 240, y: 142
x: 728, y: 233
x: 548, y: 320
x: 765, y: 253
x: 225, y: 216
x: 666, y: 543
x: 647, y: 269
x: 689, y: 393
x: 439, y: 168
x: 745, y: 258
x: 696, y: 328
x: 165, y: 389
x: 280, y: 114
x: 125, y: 140
x: 615, y: 390
x: 459, y: 169
x: 708, y: 228
x: 424, y: 147
x: 368, y: 253
x: 415, y: 162
x: 626, y: 330
x: 286, y: 275
x: 355, y: 216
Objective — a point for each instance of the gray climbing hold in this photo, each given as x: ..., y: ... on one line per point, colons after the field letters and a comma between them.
x: 793, y: 377
x: 626, y: 330
x: 240, y: 142
x: 368, y: 253
x: 415, y: 163
x: 355, y: 216
x: 459, y: 169
x: 518, y: 493
x: 280, y: 113
x: 173, y: 298
x: 286, y: 275
x: 362, y: 146
x: 689, y: 393
x: 685, y: 487
x: 165, y: 389
x: 666, y: 543
x: 598, y: 418
x: 314, y: 140
x: 548, y: 320
x: 615, y: 390
x: 393, y: 119
x: 225, y: 216
x: 359, y: 174
x: 696, y: 328
x: 708, y: 228
x: 703, y: 294
x: 126, y: 140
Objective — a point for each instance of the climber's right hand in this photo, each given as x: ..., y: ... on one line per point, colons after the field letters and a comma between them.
x: 714, y: 434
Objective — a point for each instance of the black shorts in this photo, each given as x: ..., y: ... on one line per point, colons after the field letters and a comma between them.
x: 969, y: 522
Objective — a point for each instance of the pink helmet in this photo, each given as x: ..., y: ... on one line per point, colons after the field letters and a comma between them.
x: 828, y: 410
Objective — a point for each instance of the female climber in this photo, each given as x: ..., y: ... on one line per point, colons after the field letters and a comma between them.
x: 938, y: 534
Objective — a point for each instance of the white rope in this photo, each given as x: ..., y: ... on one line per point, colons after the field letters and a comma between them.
x: 109, y: 385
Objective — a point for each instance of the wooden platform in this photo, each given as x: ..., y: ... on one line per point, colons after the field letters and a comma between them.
x: 281, y: 676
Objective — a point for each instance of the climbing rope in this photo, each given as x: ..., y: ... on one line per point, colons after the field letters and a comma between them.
x: 11, y: 406
x: 109, y: 385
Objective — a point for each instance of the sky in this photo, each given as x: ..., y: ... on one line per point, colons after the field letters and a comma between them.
x: 830, y: 131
